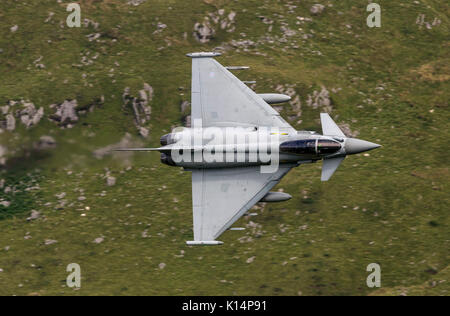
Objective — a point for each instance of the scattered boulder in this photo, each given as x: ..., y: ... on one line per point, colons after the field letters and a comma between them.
x: 144, y: 132
x: 5, y: 203
x: 14, y: 28
x: 421, y: 22
x: 61, y: 195
x: 162, y: 265
x: 317, y: 9
x: 99, y: 240
x: 45, y: 142
x: 110, y: 181
x: 34, y: 215
x: 49, y: 242
x: 136, y: 2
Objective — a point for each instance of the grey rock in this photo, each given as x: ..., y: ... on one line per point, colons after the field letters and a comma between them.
x: 110, y: 181
x: 49, y: 242
x: 317, y: 9
x: 61, y: 195
x: 144, y: 132
x: 136, y: 2
x: 99, y: 240
x: 45, y: 142
x: 5, y: 203
x: 203, y: 32
x: 66, y: 112
x: 34, y: 215
x: 10, y: 122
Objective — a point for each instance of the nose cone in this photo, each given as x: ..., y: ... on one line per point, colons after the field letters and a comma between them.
x: 356, y: 146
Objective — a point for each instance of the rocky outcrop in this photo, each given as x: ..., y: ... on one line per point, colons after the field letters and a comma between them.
x: 320, y: 99
x: 23, y: 111
x: 141, y: 107
x: 221, y: 20
x: 203, y: 32
x: 30, y: 116
x: 295, y: 101
x: 65, y: 112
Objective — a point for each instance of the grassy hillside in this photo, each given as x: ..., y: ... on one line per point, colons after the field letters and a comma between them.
x: 389, y: 85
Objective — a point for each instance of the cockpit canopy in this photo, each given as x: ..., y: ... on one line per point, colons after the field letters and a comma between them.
x: 321, y: 147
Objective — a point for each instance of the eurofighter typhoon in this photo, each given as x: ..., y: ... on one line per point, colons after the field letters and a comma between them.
x: 239, y: 148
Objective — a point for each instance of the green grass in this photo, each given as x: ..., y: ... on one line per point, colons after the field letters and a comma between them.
x: 390, y: 208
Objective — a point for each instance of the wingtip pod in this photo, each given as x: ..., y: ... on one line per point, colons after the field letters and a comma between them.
x: 204, y: 243
x: 203, y: 55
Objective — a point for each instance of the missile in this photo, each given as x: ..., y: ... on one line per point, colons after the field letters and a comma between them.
x: 274, y: 98
x: 249, y: 82
x: 237, y: 228
x: 276, y: 197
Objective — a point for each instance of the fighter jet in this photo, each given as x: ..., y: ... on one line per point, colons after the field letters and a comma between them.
x: 227, y: 161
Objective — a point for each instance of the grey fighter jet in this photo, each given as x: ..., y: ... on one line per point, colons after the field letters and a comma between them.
x: 225, y: 187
